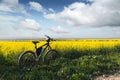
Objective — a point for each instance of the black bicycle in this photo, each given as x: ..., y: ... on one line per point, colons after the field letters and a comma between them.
x: 28, y: 58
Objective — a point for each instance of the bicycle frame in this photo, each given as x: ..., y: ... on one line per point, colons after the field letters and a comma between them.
x: 46, y: 45
x: 42, y: 50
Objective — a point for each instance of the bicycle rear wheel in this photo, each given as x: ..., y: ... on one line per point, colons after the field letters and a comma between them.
x: 26, y: 60
x: 50, y: 56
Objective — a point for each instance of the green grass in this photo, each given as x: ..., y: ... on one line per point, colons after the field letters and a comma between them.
x: 71, y: 65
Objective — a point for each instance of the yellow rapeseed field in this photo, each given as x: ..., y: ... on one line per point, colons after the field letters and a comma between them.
x: 8, y: 47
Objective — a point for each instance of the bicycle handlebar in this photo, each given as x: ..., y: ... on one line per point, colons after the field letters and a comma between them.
x: 49, y: 38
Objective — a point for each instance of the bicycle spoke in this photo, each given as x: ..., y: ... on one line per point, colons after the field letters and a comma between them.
x: 27, y: 59
x: 50, y: 56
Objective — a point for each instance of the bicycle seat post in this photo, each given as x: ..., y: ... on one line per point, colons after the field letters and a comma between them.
x: 35, y: 46
x: 35, y: 43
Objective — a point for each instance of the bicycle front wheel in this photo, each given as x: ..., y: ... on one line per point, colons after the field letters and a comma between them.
x: 50, y: 56
x: 27, y: 59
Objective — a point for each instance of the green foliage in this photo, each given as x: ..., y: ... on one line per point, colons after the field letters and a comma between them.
x: 2, y: 59
x: 72, y: 54
x: 71, y: 65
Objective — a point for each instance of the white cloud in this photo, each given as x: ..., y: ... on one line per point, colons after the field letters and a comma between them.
x: 20, y: 35
x: 12, y: 6
x: 116, y: 30
x: 36, y: 6
x: 9, y: 20
x: 30, y: 24
x: 59, y: 29
x: 51, y: 10
x: 99, y: 13
x: 13, y: 2
x: 5, y: 7
x: 16, y: 27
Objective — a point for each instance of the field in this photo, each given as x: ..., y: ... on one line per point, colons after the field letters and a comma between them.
x: 78, y: 60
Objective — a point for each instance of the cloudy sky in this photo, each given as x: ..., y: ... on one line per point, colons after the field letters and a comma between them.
x: 26, y: 19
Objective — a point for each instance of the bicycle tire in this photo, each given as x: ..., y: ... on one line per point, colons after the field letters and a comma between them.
x: 27, y: 60
x: 50, y: 56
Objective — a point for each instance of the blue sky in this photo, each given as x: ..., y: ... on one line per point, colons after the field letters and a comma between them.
x: 31, y: 19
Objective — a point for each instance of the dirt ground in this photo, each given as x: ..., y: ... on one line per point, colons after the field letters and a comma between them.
x: 116, y: 76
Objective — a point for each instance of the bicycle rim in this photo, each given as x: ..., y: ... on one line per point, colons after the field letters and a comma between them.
x: 50, y: 56
x: 27, y: 60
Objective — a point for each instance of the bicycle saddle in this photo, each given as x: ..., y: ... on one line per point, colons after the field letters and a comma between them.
x: 35, y: 42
